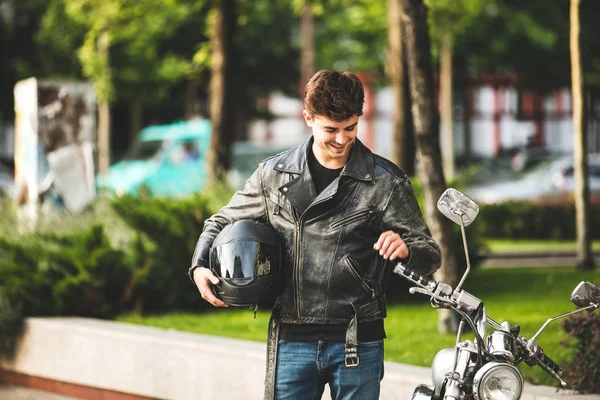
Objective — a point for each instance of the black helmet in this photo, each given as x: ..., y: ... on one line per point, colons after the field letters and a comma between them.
x: 246, y: 257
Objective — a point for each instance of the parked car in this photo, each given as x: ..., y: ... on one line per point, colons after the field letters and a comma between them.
x: 170, y: 161
x: 166, y: 160
x: 7, y: 181
x: 549, y: 182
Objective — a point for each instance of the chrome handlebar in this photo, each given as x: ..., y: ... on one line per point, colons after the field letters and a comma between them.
x: 445, y: 295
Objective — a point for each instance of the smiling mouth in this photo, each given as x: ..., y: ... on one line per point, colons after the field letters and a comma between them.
x: 337, y: 147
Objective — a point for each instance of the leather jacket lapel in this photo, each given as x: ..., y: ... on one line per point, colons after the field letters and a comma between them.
x: 300, y: 191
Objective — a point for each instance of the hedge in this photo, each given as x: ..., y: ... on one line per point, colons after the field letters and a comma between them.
x: 131, y: 254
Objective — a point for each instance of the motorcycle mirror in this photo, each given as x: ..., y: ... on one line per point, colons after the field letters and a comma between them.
x: 454, y: 204
x: 586, y: 294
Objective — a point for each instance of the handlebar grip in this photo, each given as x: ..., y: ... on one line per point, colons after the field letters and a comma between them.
x: 415, y: 277
x: 546, y: 361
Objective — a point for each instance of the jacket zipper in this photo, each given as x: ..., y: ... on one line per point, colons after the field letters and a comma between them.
x: 362, y: 279
x: 298, y: 241
x: 350, y: 218
x: 297, y: 268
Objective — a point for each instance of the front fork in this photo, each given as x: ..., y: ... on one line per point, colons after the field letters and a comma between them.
x: 455, y: 379
x: 453, y: 386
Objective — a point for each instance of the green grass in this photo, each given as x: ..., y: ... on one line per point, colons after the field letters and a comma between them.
x: 525, y: 296
x: 536, y: 246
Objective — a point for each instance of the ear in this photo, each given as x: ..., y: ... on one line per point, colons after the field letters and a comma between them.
x: 307, y: 118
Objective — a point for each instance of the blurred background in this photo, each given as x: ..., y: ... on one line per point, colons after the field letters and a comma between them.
x: 82, y: 72
x: 125, y: 123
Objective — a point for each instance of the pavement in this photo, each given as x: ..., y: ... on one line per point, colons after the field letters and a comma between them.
x: 8, y: 392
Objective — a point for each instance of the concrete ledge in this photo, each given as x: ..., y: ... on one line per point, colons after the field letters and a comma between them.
x: 143, y: 362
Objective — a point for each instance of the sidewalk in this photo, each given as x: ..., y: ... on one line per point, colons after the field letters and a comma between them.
x: 20, y: 393
x: 109, y: 358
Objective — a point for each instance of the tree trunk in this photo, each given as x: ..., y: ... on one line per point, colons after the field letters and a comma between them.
x: 135, y: 121
x: 396, y: 77
x: 446, y: 105
x: 307, y: 66
x: 585, y: 258
x: 191, y: 106
x: 103, y: 112
x: 426, y: 126
x: 465, y: 88
x: 221, y: 106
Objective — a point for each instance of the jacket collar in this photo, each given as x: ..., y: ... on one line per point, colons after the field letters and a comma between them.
x: 300, y: 191
x: 359, y: 165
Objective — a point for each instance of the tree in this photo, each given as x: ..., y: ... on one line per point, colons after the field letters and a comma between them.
x: 426, y: 126
x: 121, y: 51
x: 395, y: 72
x: 307, y: 66
x: 585, y: 257
x: 221, y: 99
x: 448, y: 18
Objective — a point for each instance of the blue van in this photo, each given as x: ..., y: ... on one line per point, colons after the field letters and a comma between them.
x: 166, y: 160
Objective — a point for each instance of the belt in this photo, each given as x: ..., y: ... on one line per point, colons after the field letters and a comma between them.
x: 375, y: 309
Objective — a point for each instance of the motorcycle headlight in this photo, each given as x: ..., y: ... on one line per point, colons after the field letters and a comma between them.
x: 498, y: 381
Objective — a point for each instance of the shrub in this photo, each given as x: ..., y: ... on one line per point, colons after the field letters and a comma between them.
x: 525, y: 220
x: 167, y: 231
x: 583, y: 373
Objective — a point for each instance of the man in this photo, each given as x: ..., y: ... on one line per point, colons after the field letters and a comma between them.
x: 344, y: 214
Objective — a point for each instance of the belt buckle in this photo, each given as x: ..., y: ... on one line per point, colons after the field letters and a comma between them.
x: 351, y: 360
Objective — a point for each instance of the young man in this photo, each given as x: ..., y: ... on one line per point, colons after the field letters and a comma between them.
x: 347, y: 217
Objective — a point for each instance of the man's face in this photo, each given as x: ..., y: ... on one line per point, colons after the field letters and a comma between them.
x: 332, y: 140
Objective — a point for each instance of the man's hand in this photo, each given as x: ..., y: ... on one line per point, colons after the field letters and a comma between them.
x: 204, y: 278
x: 391, y: 246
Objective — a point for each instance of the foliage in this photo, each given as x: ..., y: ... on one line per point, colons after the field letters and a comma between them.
x: 447, y: 17
x: 45, y: 273
x: 528, y: 38
x: 138, y: 27
x: 583, y: 372
x: 130, y: 254
x: 167, y: 230
x: 351, y: 35
x: 527, y: 220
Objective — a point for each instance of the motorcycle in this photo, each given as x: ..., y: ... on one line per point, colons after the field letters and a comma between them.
x: 484, y: 368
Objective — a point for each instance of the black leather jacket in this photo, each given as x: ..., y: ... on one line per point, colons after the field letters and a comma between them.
x: 332, y: 273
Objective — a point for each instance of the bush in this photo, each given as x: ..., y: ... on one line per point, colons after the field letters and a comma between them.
x: 525, y: 220
x: 166, y: 235
x: 583, y: 373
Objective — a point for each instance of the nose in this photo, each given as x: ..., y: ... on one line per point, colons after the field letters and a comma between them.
x: 340, y: 137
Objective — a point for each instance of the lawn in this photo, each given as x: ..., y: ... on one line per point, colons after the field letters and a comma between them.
x: 524, y: 296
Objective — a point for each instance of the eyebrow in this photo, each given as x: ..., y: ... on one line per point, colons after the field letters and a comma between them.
x: 347, y: 127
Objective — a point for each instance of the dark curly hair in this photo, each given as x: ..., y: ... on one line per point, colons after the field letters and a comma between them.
x: 335, y: 95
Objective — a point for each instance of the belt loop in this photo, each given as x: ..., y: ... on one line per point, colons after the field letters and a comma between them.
x: 351, y: 346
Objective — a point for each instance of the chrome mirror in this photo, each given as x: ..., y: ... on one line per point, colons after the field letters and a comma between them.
x: 454, y: 205
x: 586, y: 294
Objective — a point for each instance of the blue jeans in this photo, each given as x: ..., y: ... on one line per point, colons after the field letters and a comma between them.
x: 303, y: 369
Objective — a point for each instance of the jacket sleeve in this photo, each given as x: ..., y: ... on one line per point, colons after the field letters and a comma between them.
x: 248, y: 203
x: 403, y: 215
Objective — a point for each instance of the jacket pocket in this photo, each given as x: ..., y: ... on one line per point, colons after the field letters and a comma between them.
x: 350, y: 218
x: 365, y: 282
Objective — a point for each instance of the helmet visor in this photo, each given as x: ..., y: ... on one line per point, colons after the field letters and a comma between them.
x: 241, y: 262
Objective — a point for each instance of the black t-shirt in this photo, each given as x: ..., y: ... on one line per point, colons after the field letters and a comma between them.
x: 322, y: 176
x: 367, y: 331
